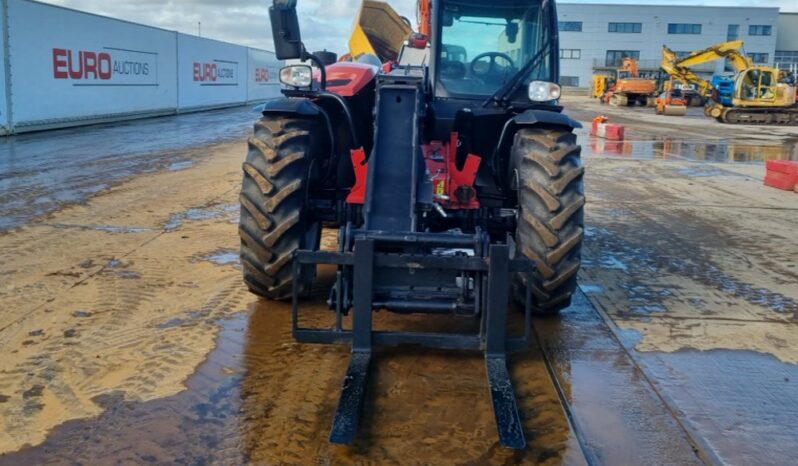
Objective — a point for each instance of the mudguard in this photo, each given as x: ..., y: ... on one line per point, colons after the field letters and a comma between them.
x: 299, y: 106
x: 535, y: 117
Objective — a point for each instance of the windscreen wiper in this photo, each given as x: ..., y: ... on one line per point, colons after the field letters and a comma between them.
x: 515, y: 82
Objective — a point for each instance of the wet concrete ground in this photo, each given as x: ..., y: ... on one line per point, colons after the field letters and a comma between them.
x: 42, y: 172
x: 128, y: 337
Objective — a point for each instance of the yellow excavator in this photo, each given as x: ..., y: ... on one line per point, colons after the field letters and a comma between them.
x: 754, y: 95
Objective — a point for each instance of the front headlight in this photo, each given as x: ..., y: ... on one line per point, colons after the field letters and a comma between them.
x: 297, y: 76
x: 542, y: 91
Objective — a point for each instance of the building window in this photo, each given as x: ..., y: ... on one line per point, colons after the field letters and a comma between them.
x: 628, y: 28
x: 755, y: 30
x: 684, y: 28
x: 785, y: 59
x: 615, y: 57
x: 759, y: 57
x: 733, y: 32
x: 571, y: 26
x: 570, y: 54
x: 569, y: 81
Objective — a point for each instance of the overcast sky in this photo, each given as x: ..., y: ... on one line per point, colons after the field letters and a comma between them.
x: 325, y: 23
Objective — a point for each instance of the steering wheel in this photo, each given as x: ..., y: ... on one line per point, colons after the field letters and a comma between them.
x: 492, y: 66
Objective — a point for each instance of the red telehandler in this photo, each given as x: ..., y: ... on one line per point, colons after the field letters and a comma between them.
x: 455, y: 184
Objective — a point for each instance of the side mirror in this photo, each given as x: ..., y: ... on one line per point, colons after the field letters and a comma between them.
x: 285, y: 30
x: 448, y: 19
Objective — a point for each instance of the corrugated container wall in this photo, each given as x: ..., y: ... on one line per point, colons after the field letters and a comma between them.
x: 210, y: 73
x: 263, y: 81
x: 64, y: 68
x: 5, y: 105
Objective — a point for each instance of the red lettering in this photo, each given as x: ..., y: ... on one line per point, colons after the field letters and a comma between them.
x: 261, y: 75
x: 211, y: 73
x: 59, y: 64
x: 197, y: 72
x: 105, y: 59
x: 89, y: 64
x: 75, y: 74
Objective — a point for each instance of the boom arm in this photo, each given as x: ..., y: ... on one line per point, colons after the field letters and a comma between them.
x: 682, y: 73
x: 727, y: 50
x: 679, y: 68
x: 425, y: 17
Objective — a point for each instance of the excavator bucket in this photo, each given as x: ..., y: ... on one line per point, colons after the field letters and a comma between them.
x: 379, y: 30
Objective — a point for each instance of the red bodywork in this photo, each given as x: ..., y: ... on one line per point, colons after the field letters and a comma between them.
x: 358, y: 193
x: 348, y: 78
x: 452, y: 188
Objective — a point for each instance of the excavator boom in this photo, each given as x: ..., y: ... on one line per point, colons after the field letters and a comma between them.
x: 731, y: 51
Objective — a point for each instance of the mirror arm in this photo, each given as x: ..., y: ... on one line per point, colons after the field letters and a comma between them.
x: 316, y: 61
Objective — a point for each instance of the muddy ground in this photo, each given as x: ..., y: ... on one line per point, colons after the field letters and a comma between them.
x: 128, y: 336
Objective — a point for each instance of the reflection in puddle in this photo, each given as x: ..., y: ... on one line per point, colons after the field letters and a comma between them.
x: 691, y: 150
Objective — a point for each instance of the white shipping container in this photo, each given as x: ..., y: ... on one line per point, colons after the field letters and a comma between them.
x: 264, y: 77
x: 210, y: 73
x: 69, y: 66
x: 5, y: 108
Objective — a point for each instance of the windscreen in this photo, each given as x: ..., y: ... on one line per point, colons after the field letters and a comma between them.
x: 484, y: 47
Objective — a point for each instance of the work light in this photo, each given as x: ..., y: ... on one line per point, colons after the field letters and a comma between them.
x: 542, y: 91
x: 297, y: 76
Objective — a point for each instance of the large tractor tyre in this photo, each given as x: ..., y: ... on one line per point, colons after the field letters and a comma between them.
x: 551, y: 215
x: 274, y: 220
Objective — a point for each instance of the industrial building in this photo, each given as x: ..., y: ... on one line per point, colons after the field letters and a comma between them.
x: 787, y: 42
x: 595, y: 38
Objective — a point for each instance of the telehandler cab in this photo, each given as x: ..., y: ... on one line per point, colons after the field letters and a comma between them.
x: 455, y: 184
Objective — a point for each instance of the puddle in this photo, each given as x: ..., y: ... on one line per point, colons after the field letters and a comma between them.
x: 706, y: 172
x: 176, y: 322
x: 620, y: 416
x: 224, y: 257
x: 743, y: 404
x: 116, y: 229
x: 128, y: 274
x: 177, y: 166
x: 114, y: 263
x: 614, y: 251
x: 691, y: 150
x: 605, y: 261
x: 42, y: 172
x: 201, y: 213
x: 591, y: 289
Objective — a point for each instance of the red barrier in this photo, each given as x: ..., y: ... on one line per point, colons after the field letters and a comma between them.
x: 609, y: 131
x: 782, y: 174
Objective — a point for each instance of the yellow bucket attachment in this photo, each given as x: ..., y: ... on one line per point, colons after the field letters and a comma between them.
x: 379, y: 30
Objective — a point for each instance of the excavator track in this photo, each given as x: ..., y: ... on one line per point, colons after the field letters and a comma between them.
x: 760, y: 116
